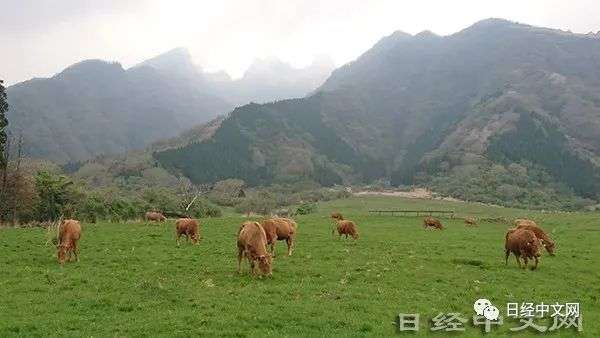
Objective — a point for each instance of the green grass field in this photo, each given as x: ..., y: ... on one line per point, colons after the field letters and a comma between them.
x: 133, y: 280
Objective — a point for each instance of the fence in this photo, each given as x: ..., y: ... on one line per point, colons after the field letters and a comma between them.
x: 415, y: 213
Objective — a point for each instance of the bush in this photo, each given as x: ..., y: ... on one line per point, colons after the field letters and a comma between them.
x: 306, y: 208
x: 261, y: 203
x: 203, y: 208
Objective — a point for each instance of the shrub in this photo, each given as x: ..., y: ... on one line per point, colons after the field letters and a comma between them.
x: 306, y: 208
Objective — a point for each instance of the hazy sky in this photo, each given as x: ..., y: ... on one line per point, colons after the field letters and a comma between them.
x: 41, y: 37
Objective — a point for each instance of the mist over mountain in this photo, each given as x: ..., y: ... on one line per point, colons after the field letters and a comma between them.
x: 96, y: 107
x: 269, y: 80
x: 476, y: 113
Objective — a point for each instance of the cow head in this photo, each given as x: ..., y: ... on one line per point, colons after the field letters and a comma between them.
x: 264, y: 264
x: 533, y: 246
x: 549, y: 245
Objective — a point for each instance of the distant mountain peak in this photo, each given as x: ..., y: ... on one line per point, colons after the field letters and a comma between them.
x: 91, y: 66
x: 427, y: 34
x: 178, y: 60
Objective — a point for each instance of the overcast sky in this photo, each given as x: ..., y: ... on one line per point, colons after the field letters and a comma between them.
x: 38, y: 38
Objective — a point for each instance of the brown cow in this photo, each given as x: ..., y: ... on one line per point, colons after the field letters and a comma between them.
x: 69, y: 234
x: 547, y: 242
x: 279, y: 229
x: 337, y: 216
x: 346, y: 227
x: 189, y: 228
x: 252, y: 243
x: 470, y: 221
x: 154, y: 216
x: 432, y: 222
x: 524, y: 221
x: 523, y: 244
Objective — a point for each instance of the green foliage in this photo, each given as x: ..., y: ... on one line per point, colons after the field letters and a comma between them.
x: 520, y: 185
x: 3, y: 124
x: 204, y: 208
x: 57, y: 196
x: 538, y: 141
x: 227, y: 192
x: 306, y: 208
x: 249, y: 143
x: 261, y: 203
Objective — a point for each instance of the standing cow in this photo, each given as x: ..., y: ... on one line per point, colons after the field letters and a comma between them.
x: 153, y: 216
x: 470, y: 221
x: 280, y: 229
x: 346, y: 227
x: 252, y: 243
x: 524, y: 245
x: 188, y: 227
x: 69, y: 233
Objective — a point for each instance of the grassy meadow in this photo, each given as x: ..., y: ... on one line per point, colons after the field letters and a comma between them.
x: 132, y: 279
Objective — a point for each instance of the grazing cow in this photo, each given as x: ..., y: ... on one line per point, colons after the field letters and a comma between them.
x: 154, y: 216
x: 547, y: 242
x: 432, y: 222
x: 337, y: 216
x: 523, y: 244
x: 189, y: 228
x: 69, y: 234
x: 252, y: 243
x: 470, y: 221
x: 346, y: 227
x: 279, y: 229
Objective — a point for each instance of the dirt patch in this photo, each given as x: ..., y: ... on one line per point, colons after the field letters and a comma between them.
x: 420, y: 193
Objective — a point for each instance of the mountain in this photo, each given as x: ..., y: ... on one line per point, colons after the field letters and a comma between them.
x: 498, y: 109
x: 96, y: 107
x: 271, y: 79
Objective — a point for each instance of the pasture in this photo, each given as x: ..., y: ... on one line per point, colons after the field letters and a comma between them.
x: 133, y: 280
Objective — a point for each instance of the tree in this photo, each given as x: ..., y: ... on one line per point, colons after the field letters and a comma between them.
x: 3, y: 124
x: 56, y: 195
x: 261, y: 203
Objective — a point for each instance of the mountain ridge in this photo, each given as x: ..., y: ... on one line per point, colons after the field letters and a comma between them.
x: 425, y: 109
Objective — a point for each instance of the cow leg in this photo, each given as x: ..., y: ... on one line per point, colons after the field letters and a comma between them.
x: 178, y: 238
x: 273, y: 247
x: 526, y: 261
x: 252, y: 266
x: 76, y: 251
x: 536, y: 263
x: 240, y: 256
x: 518, y: 260
x: 290, y: 245
x: 507, y: 253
